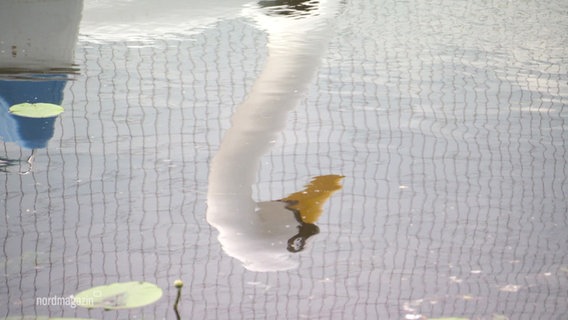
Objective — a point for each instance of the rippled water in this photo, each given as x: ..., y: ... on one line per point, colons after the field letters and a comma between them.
x: 418, y: 147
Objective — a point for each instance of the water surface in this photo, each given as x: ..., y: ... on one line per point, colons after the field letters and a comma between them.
x: 447, y: 120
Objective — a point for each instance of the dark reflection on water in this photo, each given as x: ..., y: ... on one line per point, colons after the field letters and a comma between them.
x: 447, y: 119
x: 289, y: 7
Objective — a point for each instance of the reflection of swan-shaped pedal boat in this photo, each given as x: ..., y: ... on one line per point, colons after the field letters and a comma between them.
x: 264, y: 235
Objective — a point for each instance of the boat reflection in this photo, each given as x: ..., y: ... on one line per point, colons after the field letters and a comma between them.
x: 38, y: 36
x: 264, y: 235
x: 36, y: 56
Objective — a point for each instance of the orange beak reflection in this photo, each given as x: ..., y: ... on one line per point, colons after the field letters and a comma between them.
x: 309, y: 202
x: 307, y: 206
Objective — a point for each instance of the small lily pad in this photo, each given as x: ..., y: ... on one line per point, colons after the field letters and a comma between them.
x: 36, y: 110
x: 121, y: 295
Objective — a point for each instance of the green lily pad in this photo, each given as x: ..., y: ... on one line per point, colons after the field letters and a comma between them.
x: 121, y: 295
x: 36, y: 110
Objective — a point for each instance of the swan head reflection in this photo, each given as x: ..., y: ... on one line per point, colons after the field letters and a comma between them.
x: 264, y: 236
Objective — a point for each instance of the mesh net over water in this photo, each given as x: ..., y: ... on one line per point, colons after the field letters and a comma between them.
x: 448, y: 124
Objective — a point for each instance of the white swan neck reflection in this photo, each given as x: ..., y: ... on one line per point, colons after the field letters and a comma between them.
x: 264, y: 236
